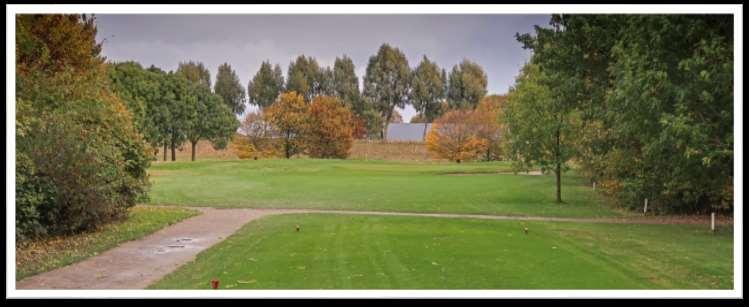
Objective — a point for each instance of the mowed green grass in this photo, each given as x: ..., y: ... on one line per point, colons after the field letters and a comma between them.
x: 371, y: 185
x: 368, y: 252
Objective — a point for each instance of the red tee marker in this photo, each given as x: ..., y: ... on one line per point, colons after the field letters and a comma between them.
x: 214, y: 283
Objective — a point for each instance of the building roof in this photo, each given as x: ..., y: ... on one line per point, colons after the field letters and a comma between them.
x: 407, y: 132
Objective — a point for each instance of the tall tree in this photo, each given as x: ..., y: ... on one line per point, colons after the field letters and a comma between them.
x: 537, y: 125
x: 305, y: 77
x: 195, y: 72
x: 230, y: 89
x: 387, y: 82
x: 466, y: 85
x: 347, y: 84
x: 428, y: 89
x: 266, y: 85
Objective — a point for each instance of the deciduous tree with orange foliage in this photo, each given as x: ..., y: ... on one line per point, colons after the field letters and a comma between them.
x: 454, y: 136
x: 287, y: 116
x: 487, y: 117
x: 330, y: 131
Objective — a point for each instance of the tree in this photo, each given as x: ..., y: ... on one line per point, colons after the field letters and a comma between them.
x: 466, y: 85
x: 80, y: 161
x: 180, y: 99
x: 140, y: 90
x: 650, y: 101
x: 327, y: 82
x: 305, y: 77
x: 288, y: 117
x: 396, y: 118
x: 330, y: 128
x: 230, y: 89
x: 537, y: 125
x: 671, y: 105
x: 258, y: 133
x: 418, y: 119
x: 487, y: 116
x: 207, y: 118
x: 428, y: 89
x: 195, y: 72
x: 453, y: 136
x: 346, y: 84
x: 266, y: 85
x: 387, y: 82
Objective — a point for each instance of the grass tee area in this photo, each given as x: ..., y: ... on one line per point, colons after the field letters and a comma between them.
x: 366, y: 252
x: 488, y: 188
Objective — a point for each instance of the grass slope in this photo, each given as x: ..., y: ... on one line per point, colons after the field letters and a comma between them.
x: 41, y: 256
x: 365, y: 252
x: 370, y: 185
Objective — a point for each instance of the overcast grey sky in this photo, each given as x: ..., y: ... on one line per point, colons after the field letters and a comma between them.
x: 244, y: 41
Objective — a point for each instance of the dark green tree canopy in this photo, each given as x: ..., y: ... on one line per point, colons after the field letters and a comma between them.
x: 230, y: 89
x: 266, y: 85
x: 195, y: 72
x: 467, y: 85
x: 387, y: 81
x: 649, y: 98
x: 428, y: 89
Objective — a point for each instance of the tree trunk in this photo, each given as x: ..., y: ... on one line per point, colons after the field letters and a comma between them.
x: 559, y: 169
x: 287, y: 146
x: 165, y: 150
x: 174, y: 151
x: 387, y: 122
x: 424, y: 135
x: 193, y: 149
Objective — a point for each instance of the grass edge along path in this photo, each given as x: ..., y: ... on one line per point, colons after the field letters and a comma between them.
x: 41, y: 256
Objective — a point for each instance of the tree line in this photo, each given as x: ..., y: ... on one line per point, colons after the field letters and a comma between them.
x: 171, y: 108
x: 389, y: 82
x: 643, y: 104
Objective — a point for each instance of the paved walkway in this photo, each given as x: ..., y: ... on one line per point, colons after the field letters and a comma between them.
x: 137, y: 264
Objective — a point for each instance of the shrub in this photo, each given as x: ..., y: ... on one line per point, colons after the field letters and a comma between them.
x: 80, y: 160
x: 454, y: 136
x: 330, y: 131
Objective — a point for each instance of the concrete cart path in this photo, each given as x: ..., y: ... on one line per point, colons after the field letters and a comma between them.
x: 136, y: 264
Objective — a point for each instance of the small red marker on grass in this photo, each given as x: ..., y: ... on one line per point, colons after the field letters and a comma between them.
x: 214, y: 283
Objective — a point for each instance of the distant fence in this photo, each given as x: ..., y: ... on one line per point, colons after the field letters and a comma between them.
x: 389, y: 150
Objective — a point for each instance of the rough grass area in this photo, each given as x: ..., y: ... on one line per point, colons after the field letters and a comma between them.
x: 203, y: 151
x: 383, y: 150
x: 366, y: 252
x: 45, y: 255
x: 372, y: 185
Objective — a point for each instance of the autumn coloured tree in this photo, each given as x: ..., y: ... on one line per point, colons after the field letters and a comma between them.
x: 330, y: 128
x: 257, y: 140
x: 454, y: 136
x: 487, y: 116
x: 80, y: 160
x: 288, y: 118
